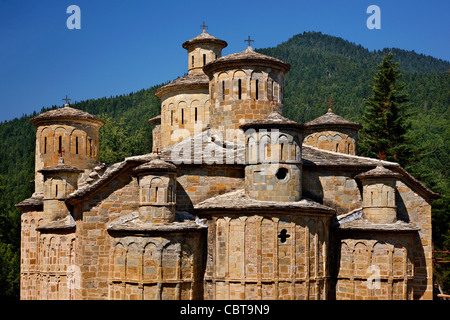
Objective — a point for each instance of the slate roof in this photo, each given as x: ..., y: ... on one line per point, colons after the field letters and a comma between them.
x: 379, y: 172
x: 245, y: 58
x: 204, y: 38
x: 238, y: 200
x: 131, y: 223
x: 274, y: 120
x: 189, y: 81
x: 65, y: 113
x: 32, y: 202
x: 156, y: 165
x: 66, y: 223
x: 330, y: 119
x: 60, y: 167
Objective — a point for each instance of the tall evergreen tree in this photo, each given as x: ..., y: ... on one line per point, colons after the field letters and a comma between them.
x: 385, y: 126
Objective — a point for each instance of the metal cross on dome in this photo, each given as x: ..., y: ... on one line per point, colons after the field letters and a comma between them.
x: 204, y: 26
x: 66, y: 99
x: 249, y: 41
x: 330, y: 102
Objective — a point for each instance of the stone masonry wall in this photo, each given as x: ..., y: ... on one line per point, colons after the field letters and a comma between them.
x: 248, y: 259
x: 118, y: 198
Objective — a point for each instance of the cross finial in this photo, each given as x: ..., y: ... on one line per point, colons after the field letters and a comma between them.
x: 204, y: 27
x: 249, y: 41
x: 60, y: 152
x: 66, y: 99
x: 330, y: 102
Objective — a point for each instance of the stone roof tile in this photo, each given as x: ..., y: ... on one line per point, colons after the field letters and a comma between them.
x: 331, y: 119
x: 65, y: 113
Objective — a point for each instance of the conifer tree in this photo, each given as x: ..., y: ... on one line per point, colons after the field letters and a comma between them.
x: 385, y: 126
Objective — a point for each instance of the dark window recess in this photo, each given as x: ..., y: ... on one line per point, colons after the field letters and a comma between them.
x: 239, y: 89
x: 283, y: 235
x: 281, y: 173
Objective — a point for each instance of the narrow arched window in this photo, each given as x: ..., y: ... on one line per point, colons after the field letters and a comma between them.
x: 223, y: 89
x: 192, y: 65
x: 90, y: 147
x: 45, y: 144
x: 195, y: 115
x: 60, y: 144
x: 239, y: 89
x: 204, y: 59
x: 271, y: 98
x: 182, y: 116
x: 256, y: 89
x: 76, y: 145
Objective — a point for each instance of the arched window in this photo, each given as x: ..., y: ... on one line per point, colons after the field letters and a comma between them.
x: 195, y: 116
x: 60, y: 144
x: 223, y: 90
x: 182, y: 116
x: 204, y: 59
x: 264, y: 148
x: 257, y: 89
x: 239, y: 89
x: 45, y: 144
x: 171, y: 117
x: 76, y: 145
x: 192, y: 64
x: 90, y: 147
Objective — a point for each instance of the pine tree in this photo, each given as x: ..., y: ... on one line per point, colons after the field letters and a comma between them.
x: 385, y: 126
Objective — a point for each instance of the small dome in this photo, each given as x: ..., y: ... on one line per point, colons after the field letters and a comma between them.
x: 379, y: 172
x: 331, y: 119
x: 65, y: 113
x: 204, y: 38
x: 247, y: 57
x: 60, y: 167
x: 156, y: 165
x: 274, y: 120
x: 189, y: 81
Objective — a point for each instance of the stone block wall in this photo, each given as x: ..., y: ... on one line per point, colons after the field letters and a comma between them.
x: 260, y: 93
x: 159, y: 267
x: 248, y: 258
x: 48, y: 269
x: 375, y: 266
x: 412, y: 207
x: 182, y: 114
x: 336, y: 189
x: 79, y: 141
x: 343, y: 141
x: 274, y: 182
x: 198, y: 183
x: 118, y: 198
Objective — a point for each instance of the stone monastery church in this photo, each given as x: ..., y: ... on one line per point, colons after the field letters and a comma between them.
x: 235, y: 201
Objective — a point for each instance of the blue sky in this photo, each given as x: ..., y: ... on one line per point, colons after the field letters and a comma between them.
x: 125, y: 46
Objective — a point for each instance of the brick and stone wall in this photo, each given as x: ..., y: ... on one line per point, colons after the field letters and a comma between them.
x: 79, y: 141
x: 183, y: 112
x: 375, y: 265
x: 164, y: 267
x: 249, y: 259
x: 198, y: 183
x: 260, y: 94
x: 343, y: 141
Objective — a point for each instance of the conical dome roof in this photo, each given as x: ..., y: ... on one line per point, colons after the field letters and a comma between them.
x: 244, y: 58
x: 65, y: 113
x: 204, y: 38
x: 331, y: 119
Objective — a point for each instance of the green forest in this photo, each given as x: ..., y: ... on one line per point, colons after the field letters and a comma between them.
x: 322, y: 67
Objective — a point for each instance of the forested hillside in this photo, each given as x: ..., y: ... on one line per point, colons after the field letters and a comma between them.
x: 322, y: 67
